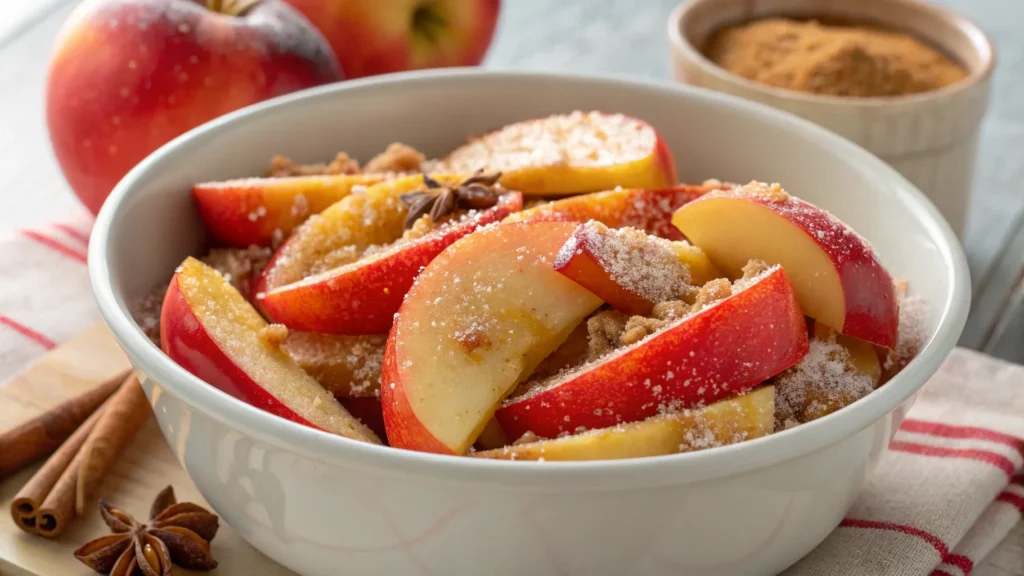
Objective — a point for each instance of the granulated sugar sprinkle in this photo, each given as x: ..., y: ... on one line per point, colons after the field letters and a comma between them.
x: 645, y: 265
x: 577, y: 139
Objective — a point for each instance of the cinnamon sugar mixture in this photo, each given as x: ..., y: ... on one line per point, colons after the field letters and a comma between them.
x: 824, y: 381
x: 645, y: 265
x: 835, y: 60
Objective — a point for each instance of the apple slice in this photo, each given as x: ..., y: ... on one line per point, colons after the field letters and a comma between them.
x: 646, y: 209
x: 725, y: 422
x: 347, y: 366
x: 341, y: 234
x: 623, y: 266
x: 363, y: 297
x: 477, y: 321
x: 251, y: 211
x: 570, y: 154
x: 209, y: 329
x: 725, y: 348
x: 837, y: 277
x: 702, y: 270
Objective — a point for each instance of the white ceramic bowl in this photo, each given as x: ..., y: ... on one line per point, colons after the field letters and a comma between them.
x: 322, y: 504
x: 931, y: 138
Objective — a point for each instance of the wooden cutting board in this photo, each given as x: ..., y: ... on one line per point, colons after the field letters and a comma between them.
x: 146, y: 467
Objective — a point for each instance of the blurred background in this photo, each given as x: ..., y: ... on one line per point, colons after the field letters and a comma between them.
x: 607, y: 36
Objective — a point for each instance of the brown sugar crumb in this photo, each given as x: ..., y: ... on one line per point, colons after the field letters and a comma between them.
x: 344, y: 365
x: 711, y: 293
x: 147, y: 313
x: 604, y: 330
x: 239, y: 266
x: 646, y: 265
x: 397, y: 157
x: 771, y: 192
x: 282, y: 166
x: 910, y: 335
x: 834, y: 60
x: 824, y: 381
x: 527, y: 438
x: 273, y: 335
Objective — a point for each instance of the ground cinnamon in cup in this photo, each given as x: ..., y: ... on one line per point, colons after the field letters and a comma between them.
x: 835, y: 60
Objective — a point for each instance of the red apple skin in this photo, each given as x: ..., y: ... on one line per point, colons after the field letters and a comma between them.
x: 403, y: 427
x: 645, y: 209
x: 363, y: 297
x: 184, y: 339
x: 871, y: 306
x: 721, y: 351
x: 372, y: 37
x: 127, y: 76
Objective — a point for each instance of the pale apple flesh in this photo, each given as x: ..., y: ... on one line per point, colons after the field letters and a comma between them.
x: 725, y: 422
x: 209, y: 329
x: 363, y: 297
x: 620, y: 151
x: 702, y: 269
x: 254, y: 210
x: 722, y: 350
x: 837, y: 276
x: 477, y: 321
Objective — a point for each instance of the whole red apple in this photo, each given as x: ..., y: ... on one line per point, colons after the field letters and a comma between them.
x: 127, y: 76
x: 379, y: 36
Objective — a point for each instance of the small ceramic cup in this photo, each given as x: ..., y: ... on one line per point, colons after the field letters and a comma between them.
x: 931, y: 138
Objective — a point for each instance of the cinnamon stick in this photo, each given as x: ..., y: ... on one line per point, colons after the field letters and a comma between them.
x: 25, y: 505
x: 43, y: 434
x: 122, y: 416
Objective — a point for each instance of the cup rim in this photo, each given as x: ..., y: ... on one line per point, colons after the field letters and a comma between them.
x: 983, y: 46
x: 609, y: 474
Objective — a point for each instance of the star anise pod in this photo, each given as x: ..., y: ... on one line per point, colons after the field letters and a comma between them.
x: 438, y: 200
x: 177, y: 533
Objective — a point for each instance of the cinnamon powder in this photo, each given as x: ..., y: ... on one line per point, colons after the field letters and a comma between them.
x: 834, y: 60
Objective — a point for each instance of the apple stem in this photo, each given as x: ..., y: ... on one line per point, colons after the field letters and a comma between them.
x: 231, y: 7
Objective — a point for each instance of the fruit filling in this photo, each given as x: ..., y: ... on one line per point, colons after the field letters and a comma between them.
x: 547, y: 291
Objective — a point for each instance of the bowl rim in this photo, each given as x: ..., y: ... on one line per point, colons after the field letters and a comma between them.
x: 976, y: 36
x: 612, y: 474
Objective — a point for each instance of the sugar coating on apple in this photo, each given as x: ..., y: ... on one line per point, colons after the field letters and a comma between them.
x: 725, y: 422
x: 837, y: 276
x: 734, y: 337
x: 646, y: 209
x: 832, y: 375
x: 569, y: 154
x: 259, y: 211
x: 342, y: 233
x: 362, y: 297
x: 209, y: 329
x: 477, y: 321
x: 623, y: 266
x: 347, y: 366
